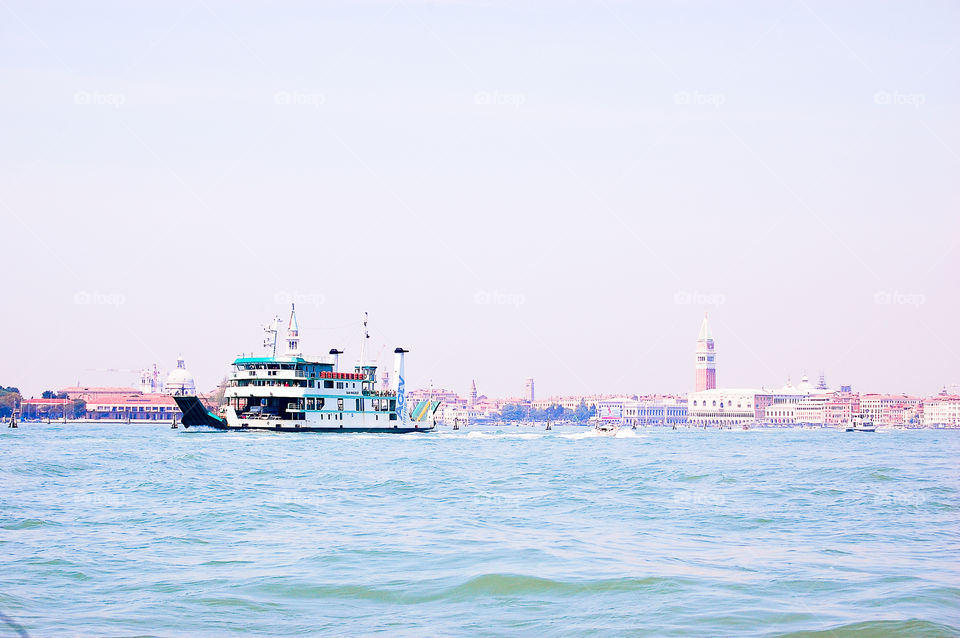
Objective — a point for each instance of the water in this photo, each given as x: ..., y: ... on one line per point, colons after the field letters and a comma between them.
x: 142, y: 530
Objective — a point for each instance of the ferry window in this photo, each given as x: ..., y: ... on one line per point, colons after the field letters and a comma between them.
x: 328, y: 384
x: 357, y: 404
x: 319, y: 403
x: 339, y: 404
x: 311, y: 404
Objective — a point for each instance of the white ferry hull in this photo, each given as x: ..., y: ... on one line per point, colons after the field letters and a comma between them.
x: 196, y: 416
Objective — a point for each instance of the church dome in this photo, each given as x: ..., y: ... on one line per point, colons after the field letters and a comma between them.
x: 180, y: 381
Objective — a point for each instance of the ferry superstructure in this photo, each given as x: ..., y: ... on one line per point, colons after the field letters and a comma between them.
x: 289, y: 393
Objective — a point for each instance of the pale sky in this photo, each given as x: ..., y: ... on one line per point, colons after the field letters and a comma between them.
x: 548, y: 189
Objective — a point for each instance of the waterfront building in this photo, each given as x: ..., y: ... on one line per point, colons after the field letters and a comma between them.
x: 136, y: 407
x: 664, y: 410
x: 706, y: 359
x: 941, y: 411
x: 841, y: 407
x: 788, y: 394
x: 109, y: 404
x: 528, y: 390
x: 722, y: 407
x: 781, y: 414
x: 571, y: 402
x: 150, y: 401
x: 894, y: 410
x: 810, y: 410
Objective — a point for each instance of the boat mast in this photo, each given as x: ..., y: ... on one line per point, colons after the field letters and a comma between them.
x: 363, y: 341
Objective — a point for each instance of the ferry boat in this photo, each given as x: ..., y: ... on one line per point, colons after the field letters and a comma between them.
x: 290, y: 393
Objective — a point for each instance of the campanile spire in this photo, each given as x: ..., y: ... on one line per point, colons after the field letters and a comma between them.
x: 293, y: 334
x: 706, y: 358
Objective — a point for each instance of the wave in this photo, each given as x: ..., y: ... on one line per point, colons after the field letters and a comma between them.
x: 521, y: 584
x: 478, y: 587
x: 913, y: 627
x: 28, y: 523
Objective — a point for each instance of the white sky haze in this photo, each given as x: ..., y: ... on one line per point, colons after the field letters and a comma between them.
x: 511, y: 189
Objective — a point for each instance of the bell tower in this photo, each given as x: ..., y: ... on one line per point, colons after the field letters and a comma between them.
x: 706, y: 358
x: 293, y: 335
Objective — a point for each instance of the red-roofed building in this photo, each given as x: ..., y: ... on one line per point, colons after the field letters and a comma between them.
x: 891, y: 409
x: 107, y: 404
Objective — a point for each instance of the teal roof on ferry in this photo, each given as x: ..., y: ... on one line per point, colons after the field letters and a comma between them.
x: 243, y: 360
x: 267, y: 360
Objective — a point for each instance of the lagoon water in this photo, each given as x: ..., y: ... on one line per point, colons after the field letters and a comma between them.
x: 129, y: 530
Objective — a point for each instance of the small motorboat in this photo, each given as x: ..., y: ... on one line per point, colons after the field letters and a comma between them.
x: 608, y: 429
x: 860, y: 423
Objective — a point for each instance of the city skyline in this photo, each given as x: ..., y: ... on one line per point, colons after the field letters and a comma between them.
x: 564, y: 205
x: 705, y: 377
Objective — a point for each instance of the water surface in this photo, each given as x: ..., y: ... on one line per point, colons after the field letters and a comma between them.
x: 143, y: 530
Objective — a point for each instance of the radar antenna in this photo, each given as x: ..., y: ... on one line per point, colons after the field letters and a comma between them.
x: 272, y: 329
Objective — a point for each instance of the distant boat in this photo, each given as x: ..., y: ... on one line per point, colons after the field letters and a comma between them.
x: 860, y: 423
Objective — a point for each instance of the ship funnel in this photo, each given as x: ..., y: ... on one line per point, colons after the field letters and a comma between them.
x: 398, y: 384
x: 336, y: 358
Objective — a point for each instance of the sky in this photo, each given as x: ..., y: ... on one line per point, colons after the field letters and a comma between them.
x: 557, y: 190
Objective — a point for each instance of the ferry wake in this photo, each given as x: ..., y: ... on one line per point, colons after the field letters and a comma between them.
x: 289, y: 393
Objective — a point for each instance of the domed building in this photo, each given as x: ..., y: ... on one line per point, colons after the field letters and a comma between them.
x: 180, y: 381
